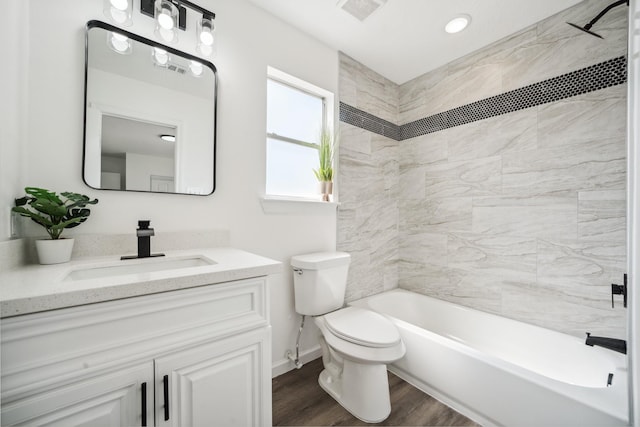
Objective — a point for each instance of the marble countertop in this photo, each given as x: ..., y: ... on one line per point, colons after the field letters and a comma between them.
x: 35, y: 288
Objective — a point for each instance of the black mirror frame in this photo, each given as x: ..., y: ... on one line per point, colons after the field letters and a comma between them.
x: 99, y: 24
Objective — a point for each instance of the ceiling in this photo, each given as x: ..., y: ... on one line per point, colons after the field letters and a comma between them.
x: 405, y: 38
x: 122, y: 135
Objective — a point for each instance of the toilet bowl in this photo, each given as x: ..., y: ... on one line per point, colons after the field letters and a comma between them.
x: 356, y: 349
x: 356, y: 343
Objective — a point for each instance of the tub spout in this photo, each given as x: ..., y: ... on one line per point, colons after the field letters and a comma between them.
x: 610, y: 343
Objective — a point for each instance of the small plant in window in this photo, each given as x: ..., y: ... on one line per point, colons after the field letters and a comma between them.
x: 324, y: 173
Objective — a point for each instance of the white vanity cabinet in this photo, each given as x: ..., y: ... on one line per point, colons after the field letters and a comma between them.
x: 190, y: 357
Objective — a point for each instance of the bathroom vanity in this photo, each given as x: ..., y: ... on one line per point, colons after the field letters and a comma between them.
x: 102, y: 342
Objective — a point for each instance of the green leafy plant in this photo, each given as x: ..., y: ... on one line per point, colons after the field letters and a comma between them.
x: 53, y: 212
x: 325, y: 155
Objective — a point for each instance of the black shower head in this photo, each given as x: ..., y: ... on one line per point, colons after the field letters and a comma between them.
x: 587, y: 28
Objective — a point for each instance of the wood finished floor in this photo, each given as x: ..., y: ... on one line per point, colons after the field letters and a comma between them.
x: 298, y: 400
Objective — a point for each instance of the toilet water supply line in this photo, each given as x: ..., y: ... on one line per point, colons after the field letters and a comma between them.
x: 296, y: 359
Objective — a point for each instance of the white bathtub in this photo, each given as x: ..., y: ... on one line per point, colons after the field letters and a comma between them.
x: 499, y: 371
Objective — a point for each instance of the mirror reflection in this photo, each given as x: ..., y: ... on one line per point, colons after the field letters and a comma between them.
x: 149, y: 115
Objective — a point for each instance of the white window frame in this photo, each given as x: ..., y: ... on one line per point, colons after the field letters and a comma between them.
x: 328, y: 123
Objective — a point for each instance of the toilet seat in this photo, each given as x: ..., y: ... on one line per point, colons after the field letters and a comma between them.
x: 358, y: 352
x: 362, y: 327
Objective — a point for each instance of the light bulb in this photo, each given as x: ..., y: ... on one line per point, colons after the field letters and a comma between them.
x: 120, y: 4
x: 164, y: 18
x: 196, y: 68
x: 206, y: 37
x: 118, y: 15
x: 119, y: 43
x: 118, y: 11
x: 161, y: 56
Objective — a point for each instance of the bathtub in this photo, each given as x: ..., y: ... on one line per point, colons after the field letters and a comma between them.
x: 499, y: 371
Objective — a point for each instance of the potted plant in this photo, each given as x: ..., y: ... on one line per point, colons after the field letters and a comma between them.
x: 54, y: 213
x: 324, y: 173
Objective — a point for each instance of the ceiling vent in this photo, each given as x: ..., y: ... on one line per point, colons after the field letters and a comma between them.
x: 360, y: 9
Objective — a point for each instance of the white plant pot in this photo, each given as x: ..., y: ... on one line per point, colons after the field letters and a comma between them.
x: 54, y: 251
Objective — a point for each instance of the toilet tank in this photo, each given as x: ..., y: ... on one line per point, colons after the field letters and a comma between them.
x: 320, y: 281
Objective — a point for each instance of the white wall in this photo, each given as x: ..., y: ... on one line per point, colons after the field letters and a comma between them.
x: 248, y: 41
x: 12, y: 106
x: 140, y: 167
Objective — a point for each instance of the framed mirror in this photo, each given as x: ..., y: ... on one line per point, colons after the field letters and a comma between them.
x: 150, y: 115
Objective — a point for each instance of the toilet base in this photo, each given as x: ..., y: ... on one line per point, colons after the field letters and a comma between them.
x: 361, y: 389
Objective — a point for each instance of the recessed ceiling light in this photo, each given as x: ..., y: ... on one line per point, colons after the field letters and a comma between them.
x: 168, y: 138
x: 457, y: 24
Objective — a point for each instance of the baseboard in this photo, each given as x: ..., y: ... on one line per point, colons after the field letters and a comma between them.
x: 285, y: 365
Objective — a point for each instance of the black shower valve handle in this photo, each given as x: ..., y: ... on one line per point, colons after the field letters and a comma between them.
x: 619, y: 290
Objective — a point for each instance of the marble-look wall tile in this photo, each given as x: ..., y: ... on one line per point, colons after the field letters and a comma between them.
x: 481, y: 177
x: 423, y: 278
x: 565, y: 169
x: 473, y: 288
x: 520, y: 214
x: 368, y: 180
x: 413, y: 95
x: 595, y: 115
x: 581, y: 270
x: 565, y: 47
x: 436, y: 215
x: 424, y: 248
x: 602, y: 215
x: 412, y: 183
x: 367, y: 90
x: 512, y: 132
x: 423, y: 150
x: 547, y: 306
x: 509, y: 257
x: 526, y: 216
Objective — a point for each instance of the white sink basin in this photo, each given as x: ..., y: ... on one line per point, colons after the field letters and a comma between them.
x: 147, y: 265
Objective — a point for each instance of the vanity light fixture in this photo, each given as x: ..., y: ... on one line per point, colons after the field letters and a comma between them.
x: 119, y: 43
x: 457, y: 24
x: 119, y: 11
x: 160, y: 57
x: 168, y: 138
x: 171, y: 16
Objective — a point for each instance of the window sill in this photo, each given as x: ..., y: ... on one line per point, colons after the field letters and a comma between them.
x: 282, y: 205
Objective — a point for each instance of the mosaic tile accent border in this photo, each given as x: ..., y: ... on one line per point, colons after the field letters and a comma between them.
x: 364, y: 120
x: 599, y: 76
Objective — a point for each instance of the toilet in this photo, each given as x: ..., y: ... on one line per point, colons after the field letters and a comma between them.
x: 356, y: 343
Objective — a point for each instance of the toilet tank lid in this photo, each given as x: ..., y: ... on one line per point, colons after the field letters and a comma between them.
x: 319, y: 260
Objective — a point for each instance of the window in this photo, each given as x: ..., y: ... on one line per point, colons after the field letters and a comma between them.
x: 296, y: 113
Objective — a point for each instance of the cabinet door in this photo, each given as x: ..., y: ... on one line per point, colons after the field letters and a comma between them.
x: 220, y: 383
x: 112, y: 399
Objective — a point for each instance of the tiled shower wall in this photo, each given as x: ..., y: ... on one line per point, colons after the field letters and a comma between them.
x: 368, y: 176
x: 520, y: 214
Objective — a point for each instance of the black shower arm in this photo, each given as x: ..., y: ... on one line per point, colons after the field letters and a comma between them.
x: 604, y: 11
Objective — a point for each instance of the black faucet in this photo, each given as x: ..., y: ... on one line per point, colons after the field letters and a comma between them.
x: 144, y: 233
x: 609, y: 343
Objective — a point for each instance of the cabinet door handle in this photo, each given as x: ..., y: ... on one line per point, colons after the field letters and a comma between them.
x: 165, y: 385
x: 143, y: 389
